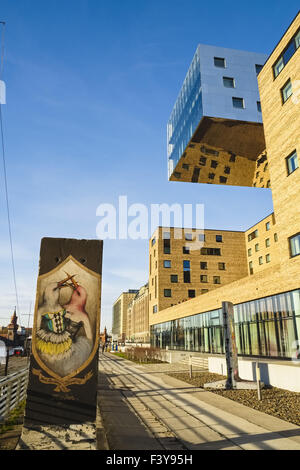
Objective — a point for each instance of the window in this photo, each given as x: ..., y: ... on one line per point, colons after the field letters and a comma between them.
x: 295, y: 245
x: 217, y: 280
x: 174, y: 278
x: 292, y: 163
x: 266, y: 167
x: 177, y: 174
x: 228, y: 82
x: 167, y: 246
x: 258, y: 68
x: 251, y: 267
x: 211, y: 176
x: 185, y: 166
x: 275, y: 237
x: 191, y: 294
x: 153, y: 241
x: 268, y: 258
x: 167, y: 293
x: 227, y: 170
x: 252, y: 235
x: 286, y: 91
x: 297, y: 39
x: 202, y: 161
x: 185, y: 250
x: 219, y: 238
x: 203, y: 278
x: 219, y: 62
x: 166, y: 235
x: 268, y: 226
x: 188, y: 237
x: 201, y: 237
x: 232, y: 157
x: 186, y: 271
x: 186, y: 265
x: 268, y: 184
x: 167, y: 264
x: 214, y: 164
x: 267, y: 242
x: 260, y: 260
x: 278, y: 67
x: 249, y: 252
x: 258, y: 106
x: 203, y: 265
x: 257, y: 247
x: 287, y: 54
x: 203, y: 291
x: 238, y: 103
x: 222, y: 266
x: 154, y: 308
x: 223, y: 179
x: 210, y: 251
x: 209, y: 151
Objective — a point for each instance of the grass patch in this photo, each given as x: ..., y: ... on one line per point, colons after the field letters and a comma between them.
x: 15, y: 417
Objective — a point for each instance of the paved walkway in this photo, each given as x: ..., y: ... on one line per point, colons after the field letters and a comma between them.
x: 144, y: 409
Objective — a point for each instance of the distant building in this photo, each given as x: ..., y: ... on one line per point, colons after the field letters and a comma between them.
x: 138, y: 317
x: 119, y: 314
x: 13, y: 333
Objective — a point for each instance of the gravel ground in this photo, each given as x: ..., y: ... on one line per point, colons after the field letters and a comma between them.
x: 280, y: 403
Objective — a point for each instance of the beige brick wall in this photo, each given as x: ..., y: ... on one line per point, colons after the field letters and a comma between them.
x: 264, y: 246
x: 282, y: 133
x: 233, y: 255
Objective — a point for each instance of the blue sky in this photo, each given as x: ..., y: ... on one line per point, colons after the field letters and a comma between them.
x: 90, y: 87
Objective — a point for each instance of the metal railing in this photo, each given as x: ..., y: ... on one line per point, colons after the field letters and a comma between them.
x: 12, y: 391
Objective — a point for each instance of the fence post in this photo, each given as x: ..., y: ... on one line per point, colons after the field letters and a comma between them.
x: 6, y: 362
x: 191, y: 367
x: 8, y: 398
x: 258, y: 381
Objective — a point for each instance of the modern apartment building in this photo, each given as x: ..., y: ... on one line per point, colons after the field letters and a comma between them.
x: 215, y: 131
x: 266, y: 297
x: 197, y: 262
x: 119, y: 314
x: 138, y: 317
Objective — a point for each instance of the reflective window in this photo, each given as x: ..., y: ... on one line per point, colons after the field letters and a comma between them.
x: 219, y: 62
x: 287, y: 54
x: 295, y: 245
x: 238, y: 103
x: 286, y: 91
x: 167, y: 264
x: 292, y: 162
x: 228, y: 82
x: 267, y: 327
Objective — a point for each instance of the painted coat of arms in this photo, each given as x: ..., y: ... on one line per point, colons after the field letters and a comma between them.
x: 67, y: 316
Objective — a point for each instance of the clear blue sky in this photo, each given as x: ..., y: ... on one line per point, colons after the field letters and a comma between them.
x: 90, y: 87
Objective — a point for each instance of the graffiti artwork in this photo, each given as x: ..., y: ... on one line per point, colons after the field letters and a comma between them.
x: 66, y: 319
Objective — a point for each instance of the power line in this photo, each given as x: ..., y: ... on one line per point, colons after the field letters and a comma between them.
x: 5, y: 175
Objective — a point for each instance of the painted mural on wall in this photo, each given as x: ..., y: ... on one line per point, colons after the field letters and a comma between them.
x: 65, y: 335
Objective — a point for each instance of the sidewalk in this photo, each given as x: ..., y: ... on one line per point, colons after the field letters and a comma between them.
x: 142, y: 408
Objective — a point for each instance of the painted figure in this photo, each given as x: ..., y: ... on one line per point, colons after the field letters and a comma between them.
x: 59, y: 343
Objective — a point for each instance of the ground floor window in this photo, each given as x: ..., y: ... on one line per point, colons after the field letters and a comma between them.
x: 267, y: 327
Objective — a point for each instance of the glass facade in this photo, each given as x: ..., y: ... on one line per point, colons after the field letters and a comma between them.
x: 186, y: 114
x: 267, y: 327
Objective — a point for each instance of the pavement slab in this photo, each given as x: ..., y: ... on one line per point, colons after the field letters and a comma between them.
x: 166, y: 413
